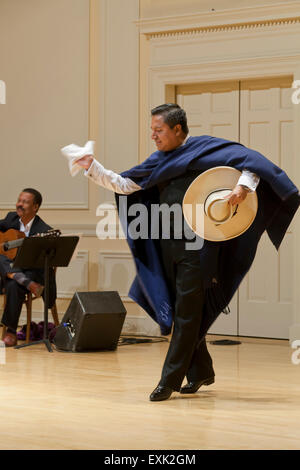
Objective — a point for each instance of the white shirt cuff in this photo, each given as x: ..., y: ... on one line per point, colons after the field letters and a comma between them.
x: 249, y: 179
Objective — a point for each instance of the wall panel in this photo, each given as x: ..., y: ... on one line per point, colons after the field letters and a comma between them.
x: 44, y: 61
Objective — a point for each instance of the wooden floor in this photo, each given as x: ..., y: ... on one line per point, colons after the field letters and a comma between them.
x: 101, y: 400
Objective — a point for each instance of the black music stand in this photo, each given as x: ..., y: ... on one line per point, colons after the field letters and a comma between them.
x: 44, y: 252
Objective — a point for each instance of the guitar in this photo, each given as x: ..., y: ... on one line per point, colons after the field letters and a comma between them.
x: 12, y: 239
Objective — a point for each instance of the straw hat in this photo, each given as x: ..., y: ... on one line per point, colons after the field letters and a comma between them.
x: 210, y: 215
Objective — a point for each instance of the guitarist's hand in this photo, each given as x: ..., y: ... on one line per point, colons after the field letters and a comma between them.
x: 85, y: 161
x: 36, y: 289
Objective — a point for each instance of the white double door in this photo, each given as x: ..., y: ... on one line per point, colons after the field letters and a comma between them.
x: 257, y: 113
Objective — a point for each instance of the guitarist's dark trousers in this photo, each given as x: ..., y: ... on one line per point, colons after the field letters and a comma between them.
x: 15, y: 293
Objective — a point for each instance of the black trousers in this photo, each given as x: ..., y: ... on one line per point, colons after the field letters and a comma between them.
x: 185, y: 357
x: 15, y: 293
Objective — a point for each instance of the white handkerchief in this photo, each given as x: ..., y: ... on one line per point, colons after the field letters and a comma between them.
x: 73, y: 153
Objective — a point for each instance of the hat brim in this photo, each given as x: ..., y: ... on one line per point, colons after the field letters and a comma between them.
x: 211, y: 180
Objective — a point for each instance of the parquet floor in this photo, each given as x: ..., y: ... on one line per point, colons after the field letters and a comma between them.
x: 101, y: 400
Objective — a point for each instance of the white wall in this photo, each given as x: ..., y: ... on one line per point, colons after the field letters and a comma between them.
x: 44, y: 59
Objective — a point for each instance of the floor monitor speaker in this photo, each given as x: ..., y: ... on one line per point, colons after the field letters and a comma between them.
x: 93, y: 321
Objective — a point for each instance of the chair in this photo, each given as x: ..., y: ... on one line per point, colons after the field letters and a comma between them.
x: 29, y: 298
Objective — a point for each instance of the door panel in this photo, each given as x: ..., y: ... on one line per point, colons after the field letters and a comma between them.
x: 212, y: 108
x: 259, y: 114
x: 265, y: 295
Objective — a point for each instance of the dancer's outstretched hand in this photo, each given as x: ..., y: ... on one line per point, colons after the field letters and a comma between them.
x: 85, y: 161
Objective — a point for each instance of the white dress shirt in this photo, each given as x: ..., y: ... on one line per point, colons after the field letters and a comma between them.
x: 26, y: 228
x: 115, y: 182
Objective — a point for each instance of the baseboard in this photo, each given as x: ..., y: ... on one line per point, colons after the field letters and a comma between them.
x: 133, y: 325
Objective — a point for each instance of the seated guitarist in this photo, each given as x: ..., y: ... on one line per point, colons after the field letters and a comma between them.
x: 16, y: 281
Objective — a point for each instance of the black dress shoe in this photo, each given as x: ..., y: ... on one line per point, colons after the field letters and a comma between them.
x: 161, y: 393
x: 193, y: 387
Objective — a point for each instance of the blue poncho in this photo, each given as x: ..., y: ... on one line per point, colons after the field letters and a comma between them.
x: 278, y: 200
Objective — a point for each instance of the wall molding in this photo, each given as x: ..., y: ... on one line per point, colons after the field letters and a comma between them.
x: 238, y: 27
x: 284, y: 13
x: 11, y: 206
x: 105, y: 275
x: 67, y: 282
x: 86, y: 230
